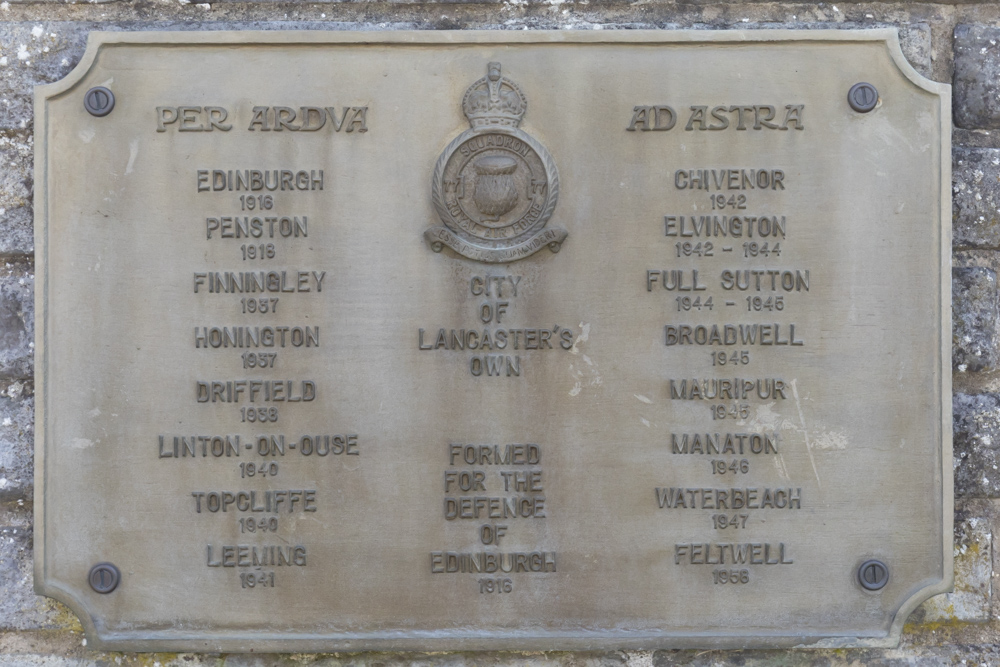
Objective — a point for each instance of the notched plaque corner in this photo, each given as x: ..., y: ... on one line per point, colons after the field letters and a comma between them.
x: 946, y: 584
x: 895, y: 48
x: 50, y: 91
x: 75, y: 601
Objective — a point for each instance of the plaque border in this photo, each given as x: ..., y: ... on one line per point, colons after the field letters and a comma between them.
x: 214, y: 641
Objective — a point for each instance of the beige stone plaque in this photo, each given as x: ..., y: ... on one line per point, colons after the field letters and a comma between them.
x: 523, y: 340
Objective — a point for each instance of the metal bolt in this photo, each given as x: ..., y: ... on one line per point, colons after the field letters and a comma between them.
x: 104, y: 577
x: 99, y: 101
x: 862, y: 97
x: 873, y: 575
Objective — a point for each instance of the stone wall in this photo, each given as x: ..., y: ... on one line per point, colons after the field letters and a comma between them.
x: 41, y: 41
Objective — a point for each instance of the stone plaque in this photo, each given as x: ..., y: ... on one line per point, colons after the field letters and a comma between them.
x: 495, y: 340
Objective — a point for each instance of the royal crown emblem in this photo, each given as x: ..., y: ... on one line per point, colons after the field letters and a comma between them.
x: 495, y: 187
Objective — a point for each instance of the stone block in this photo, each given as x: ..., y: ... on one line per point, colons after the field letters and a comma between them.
x: 975, y: 202
x: 975, y: 319
x: 17, y: 430
x: 17, y: 321
x: 16, y: 189
x: 976, y: 92
x: 977, y: 445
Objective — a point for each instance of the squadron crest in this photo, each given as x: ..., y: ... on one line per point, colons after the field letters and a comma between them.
x: 495, y: 186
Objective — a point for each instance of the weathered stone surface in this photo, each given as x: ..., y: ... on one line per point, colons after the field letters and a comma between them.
x: 976, y: 198
x: 973, y: 573
x: 20, y: 608
x: 16, y: 185
x: 981, y: 655
x: 975, y: 319
x: 16, y: 440
x: 915, y: 42
x: 977, y: 443
x: 977, y: 77
x: 17, y: 321
x: 985, y: 381
x: 908, y: 657
x: 975, y: 138
x: 989, y: 259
